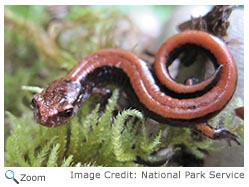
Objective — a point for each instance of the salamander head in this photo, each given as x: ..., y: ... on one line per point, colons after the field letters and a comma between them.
x: 57, y: 103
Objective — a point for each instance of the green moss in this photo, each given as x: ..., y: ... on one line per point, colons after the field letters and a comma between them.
x: 95, y: 139
x: 98, y: 138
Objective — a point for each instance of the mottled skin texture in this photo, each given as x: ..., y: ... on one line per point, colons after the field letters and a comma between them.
x: 54, y: 105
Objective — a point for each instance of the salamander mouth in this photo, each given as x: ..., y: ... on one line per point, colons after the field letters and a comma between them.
x: 43, y: 119
x: 48, y: 121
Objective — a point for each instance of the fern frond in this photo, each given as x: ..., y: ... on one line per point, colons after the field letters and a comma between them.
x: 96, y: 138
x: 68, y: 162
x: 116, y: 138
x: 152, y: 145
x: 106, y: 117
x: 90, y: 122
x: 41, y: 157
x: 76, y: 136
x: 53, y: 156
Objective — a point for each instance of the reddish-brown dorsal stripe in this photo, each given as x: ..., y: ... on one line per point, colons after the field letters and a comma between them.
x: 149, y: 93
x: 62, y: 99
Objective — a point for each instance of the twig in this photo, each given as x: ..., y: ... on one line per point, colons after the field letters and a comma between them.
x: 43, y: 43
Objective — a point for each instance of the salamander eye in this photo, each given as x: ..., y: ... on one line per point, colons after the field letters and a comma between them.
x: 33, y: 103
x: 67, y: 113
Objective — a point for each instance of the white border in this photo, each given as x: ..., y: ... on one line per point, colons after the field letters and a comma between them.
x: 124, y: 2
x: 59, y: 176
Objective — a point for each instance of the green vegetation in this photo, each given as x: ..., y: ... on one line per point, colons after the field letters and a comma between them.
x: 36, y: 55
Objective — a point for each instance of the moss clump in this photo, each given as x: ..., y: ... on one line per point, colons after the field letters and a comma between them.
x: 99, y: 138
x: 95, y: 137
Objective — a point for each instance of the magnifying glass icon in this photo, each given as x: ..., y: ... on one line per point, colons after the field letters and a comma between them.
x: 9, y: 174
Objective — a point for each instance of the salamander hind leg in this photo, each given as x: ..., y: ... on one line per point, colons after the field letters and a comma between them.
x: 213, y: 133
x: 217, y: 133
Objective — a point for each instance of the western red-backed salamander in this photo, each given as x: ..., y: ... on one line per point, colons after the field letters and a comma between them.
x: 155, y: 92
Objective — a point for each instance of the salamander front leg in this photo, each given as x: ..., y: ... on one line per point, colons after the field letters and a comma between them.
x: 217, y: 133
x: 103, y: 93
